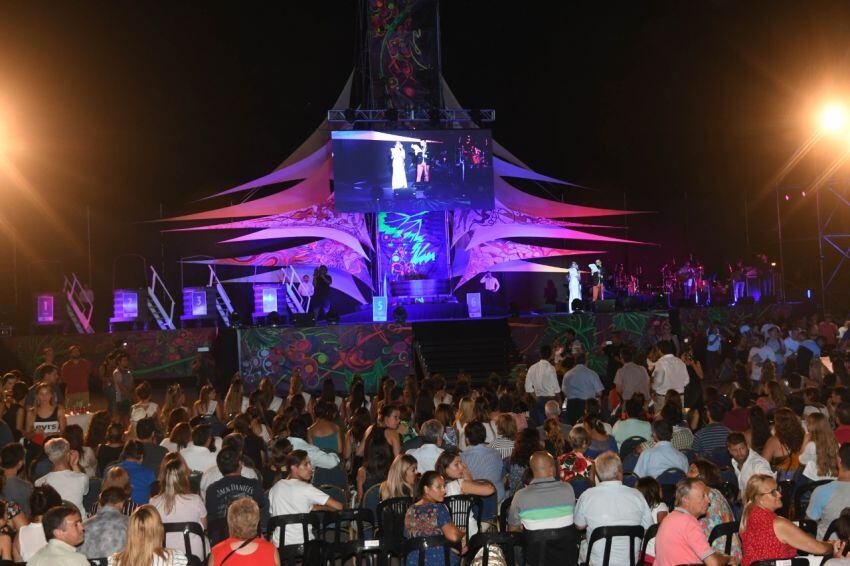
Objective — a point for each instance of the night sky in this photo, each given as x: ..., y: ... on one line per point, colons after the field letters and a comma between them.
x: 674, y: 107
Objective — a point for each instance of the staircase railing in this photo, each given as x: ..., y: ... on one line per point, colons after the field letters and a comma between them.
x: 296, y: 299
x: 80, y: 305
x: 222, y: 301
x: 156, y: 302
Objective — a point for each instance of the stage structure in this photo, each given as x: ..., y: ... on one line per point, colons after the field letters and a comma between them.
x: 155, y: 300
x: 393, y: 210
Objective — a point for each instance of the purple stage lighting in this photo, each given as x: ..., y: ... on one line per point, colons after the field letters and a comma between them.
x: 125, y: 305
x: 44, y: 306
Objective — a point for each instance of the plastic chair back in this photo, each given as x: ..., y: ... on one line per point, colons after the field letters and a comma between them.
x: 802, y: 495
x: 546, y: 547
x: 421, y: 545
x: 628, y: 446
x: 188, y: 529
x: 390, y: 519
x: 728, y: 530
x: 505, y: 541
x: 464, y: 509
x: 634, y: 532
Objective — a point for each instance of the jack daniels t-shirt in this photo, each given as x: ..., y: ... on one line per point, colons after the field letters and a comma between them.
x: 222, y: 493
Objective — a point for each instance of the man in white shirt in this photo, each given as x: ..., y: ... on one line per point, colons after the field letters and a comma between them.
x: 670, y: 372
x: 431, y: 433
x: 318, y: 457
x: 745, y: 462
x: 611, y: 503
x: 66, y: 477
x: 759, y: 354
x: 542, y: 382
x: 213, y: 474
x: 197, y: 453
x: 296, y: 494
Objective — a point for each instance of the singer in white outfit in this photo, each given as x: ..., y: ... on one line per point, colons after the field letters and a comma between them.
x: 399, y: 174
x: 574, y: 280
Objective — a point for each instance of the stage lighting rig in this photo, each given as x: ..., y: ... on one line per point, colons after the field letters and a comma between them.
x: 439, y: 116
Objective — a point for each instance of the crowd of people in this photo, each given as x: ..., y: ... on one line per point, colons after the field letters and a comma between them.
x: 684, y: 434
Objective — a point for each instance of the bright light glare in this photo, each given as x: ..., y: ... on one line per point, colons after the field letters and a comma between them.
x: 833, y: 118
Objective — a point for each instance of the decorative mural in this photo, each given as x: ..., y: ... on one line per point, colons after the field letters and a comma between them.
x: 336, y: 352
x: 412, y: 246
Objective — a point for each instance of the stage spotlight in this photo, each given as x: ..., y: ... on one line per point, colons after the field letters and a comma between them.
x: 833, y: 118
x: 400, y: 315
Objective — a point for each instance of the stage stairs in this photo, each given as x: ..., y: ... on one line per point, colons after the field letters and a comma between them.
x: 78, y: 304
x: 478, y: 347
x: 160, y: 302
x: 222, y: 299
x: 296, y: 302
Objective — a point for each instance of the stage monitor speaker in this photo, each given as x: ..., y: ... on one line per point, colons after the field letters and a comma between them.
x: 578, y: 305
x: 606, y: 306
x: 302, y: 319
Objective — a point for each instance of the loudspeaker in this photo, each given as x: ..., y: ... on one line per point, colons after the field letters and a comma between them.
x: 607, y: 306
x: 578, y: 305
x: 303, y: 319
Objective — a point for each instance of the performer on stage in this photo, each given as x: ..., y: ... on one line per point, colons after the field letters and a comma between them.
x: 322, y: 283
x: 739, y: 280
x: 421, y: 152
x: 305, y: 287
x: 491, y: 288
x: 399, y: 174
x: 597, y: 279
x: 574, y: 285
x: 686, y: 277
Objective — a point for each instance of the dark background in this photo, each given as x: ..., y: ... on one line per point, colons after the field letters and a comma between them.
x: 133, y: 110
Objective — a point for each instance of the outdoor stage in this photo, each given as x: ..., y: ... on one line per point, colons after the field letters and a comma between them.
x: 370, y: 349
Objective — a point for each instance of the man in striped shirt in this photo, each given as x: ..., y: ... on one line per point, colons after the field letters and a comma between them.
x: 713, y: 435
x: 546, y: 503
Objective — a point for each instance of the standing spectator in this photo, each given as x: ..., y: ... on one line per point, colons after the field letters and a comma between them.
x: 66, y: 477
x: 106, y: 532
x: 154, y: 453
x: 15, y: 489
x: 232, y: 486
x: 124, y: 384
x: 177, y: 504
x: 669, y: 372
x: 31, y: 538
x: 545, y: 503
x: 580, y: 384
x: 542, y: 382
x: 611, y: 503
x: 145, y: 534
x: 680, y: 539
x: 296, y: 494
x: 745, y: 461
x: 244, y: 547
x: 663, y: 456
x: 483, y: 462
x: 713, y: 435
x: 141, y: 477
x: 63, y: 529
x: 631, y: 378
x: 75, y: 376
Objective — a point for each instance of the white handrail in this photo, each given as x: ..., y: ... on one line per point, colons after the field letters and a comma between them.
x: 154, y: 278
x: 214, y: 280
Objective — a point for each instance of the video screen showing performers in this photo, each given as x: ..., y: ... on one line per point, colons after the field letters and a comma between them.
x: 412, y: 171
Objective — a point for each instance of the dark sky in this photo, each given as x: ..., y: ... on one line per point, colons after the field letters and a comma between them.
x: 680, y: 107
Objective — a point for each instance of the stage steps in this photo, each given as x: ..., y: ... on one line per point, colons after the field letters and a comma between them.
x: 160, y: 305
x: 478, y: 347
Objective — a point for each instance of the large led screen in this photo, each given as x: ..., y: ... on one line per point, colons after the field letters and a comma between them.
x: 412, y: 171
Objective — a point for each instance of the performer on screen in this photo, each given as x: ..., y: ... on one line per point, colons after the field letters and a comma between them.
x: 399, y: 174
x: 421, y: 151
x: 597, y: 279
x: 321, y: 297
x: 491, y: 288
x: 574, y: 285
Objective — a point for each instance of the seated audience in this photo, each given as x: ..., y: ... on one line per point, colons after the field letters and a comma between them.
x: 235, y: 441
x: 765, y: 535
x: 527, y: 443
x: 829, y: 500
x: 106, y: 532
x: 63, y: 529
x: 651, y: 491
x: 207, y: 405
x: 718, y: 511
x: 117, y: 477
x: 634, y: 424
x: 141, y: 477
x: 459, y: 481
x: 31, y: 538
x: 483, y: 462
x: 75, y: 437
x: 401, y: 479
x: 431, y: 433
x: 295, y: 494
x: 324, y: 433
x: 759, y: 430
x: 783, y: 449
x: 428, y: 516
x: 298, y: 438
x: 745, y: 461
x: 680, y: 539
x: 145, y: 534
x: 243, y: 546
x: 505, y: 434
x: 66, y: 477
x: 545, y: 503
x: 177, y: 504
x: 377, y: 459
x: 554, y: 440
x: 574, y: 464
x: 197, y: 454
x: 611, y: 503
x: 736, y: 420
x: 601, y: 438
x: 820, y: 449
x: 154, y: 453
x: 15, y: 489
x: 109, y: 452
x: 232, y: 486
x: 712, y: 436
x: 663, y: 456
x: 144, y: 407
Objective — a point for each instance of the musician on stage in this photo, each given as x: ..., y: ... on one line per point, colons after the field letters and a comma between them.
x: 573, y: 284
x: 321, y: 297
x: 597, y: 279
x: 686, y: 276
x: 739, y: 280
x: 422, y: 159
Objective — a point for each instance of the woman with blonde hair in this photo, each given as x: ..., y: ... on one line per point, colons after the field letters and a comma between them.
x: 207, y: 404
x: 174, y: 399
x: 233, y: 400
x: 820, y: 449
x: 401, y: 479
x: 144, y: 542
x: 177, y: 504
x: 555, y: 443
x: 244, y: 547
x: 767, y: 536
x: 465, y: 414
x: 46, y: 418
